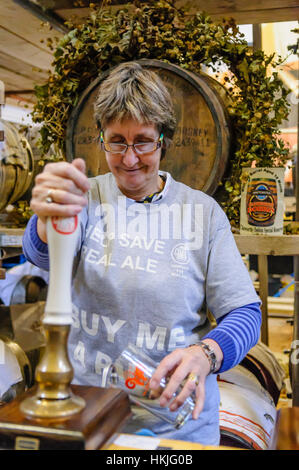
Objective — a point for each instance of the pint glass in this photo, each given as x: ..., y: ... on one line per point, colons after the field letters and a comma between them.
x: 132, y: 372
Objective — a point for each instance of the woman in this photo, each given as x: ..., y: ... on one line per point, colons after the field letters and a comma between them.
x: 152, y: 254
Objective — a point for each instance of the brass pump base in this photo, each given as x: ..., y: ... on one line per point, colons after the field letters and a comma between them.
x: 36, y: 407
x: 53, y: 397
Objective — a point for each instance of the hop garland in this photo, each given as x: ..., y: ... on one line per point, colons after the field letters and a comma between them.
x: 159, y: 30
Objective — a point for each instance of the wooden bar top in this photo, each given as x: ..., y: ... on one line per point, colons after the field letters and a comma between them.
x: 286, y: 433
x: 105, y: 412
x: 136, y: 442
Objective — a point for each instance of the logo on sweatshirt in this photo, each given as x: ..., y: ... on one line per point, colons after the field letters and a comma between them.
x: 180, y: 254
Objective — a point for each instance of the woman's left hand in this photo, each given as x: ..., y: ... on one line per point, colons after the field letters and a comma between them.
x: 178, y: 365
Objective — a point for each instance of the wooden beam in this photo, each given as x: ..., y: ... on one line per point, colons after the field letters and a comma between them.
x: 263, y: 293
x: 76, y: 16
x: 23, y: 24
x: 244, y: 11
x: 21, y: 68
x: 19, y: 92
x: 251, y: 17
x: 24, y: 59
x: 215, y: 6
x: 257, y: 36
x: 262, y: 16
x: 295, y: 367
x: 44, y: 15
x: 14, y: 81
x: 18, y: 98
x: 228, y: 6
x: 58, y: 5
x: 17, y: 47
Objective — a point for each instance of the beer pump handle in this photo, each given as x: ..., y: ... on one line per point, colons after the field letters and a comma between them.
x: 62, y: 235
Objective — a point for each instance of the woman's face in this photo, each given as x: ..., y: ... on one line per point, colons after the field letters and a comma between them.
x: 136, y: 175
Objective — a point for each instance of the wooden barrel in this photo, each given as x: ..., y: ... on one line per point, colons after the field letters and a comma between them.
x: 201, y: 145
x: 16, y: 165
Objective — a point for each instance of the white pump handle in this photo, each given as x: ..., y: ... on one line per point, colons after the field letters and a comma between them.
x: 62, y: 234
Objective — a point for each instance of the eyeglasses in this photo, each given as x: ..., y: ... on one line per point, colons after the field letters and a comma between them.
x: 140, y: 148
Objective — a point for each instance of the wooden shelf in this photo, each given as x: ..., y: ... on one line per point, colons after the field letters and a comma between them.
x: 11, y: 231
x: 11, y: 237
x: 276, y: 245
x: 264, y: 246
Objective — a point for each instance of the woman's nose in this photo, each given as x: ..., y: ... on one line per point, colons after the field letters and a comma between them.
x: 130, y: 158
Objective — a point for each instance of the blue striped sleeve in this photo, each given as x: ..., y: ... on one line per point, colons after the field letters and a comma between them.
x: 34, y: 249
x: 236, y: 333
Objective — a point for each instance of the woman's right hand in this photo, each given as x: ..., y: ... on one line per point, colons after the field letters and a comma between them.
x: 68, y: 184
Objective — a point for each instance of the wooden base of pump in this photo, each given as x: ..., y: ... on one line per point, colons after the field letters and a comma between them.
x: 56, y: 415
x: 105, y: 411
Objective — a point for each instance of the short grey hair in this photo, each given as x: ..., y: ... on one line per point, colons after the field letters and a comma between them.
x: 134, y: 92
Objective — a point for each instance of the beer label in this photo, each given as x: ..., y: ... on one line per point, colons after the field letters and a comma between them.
x: 262, y: 201
x: 65, y: 225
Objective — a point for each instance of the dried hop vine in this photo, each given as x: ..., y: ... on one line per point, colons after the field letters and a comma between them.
x: 159, y: 30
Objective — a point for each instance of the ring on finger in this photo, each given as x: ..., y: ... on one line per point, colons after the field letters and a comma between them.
x: 193, y: 378
x: 49, y: 199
